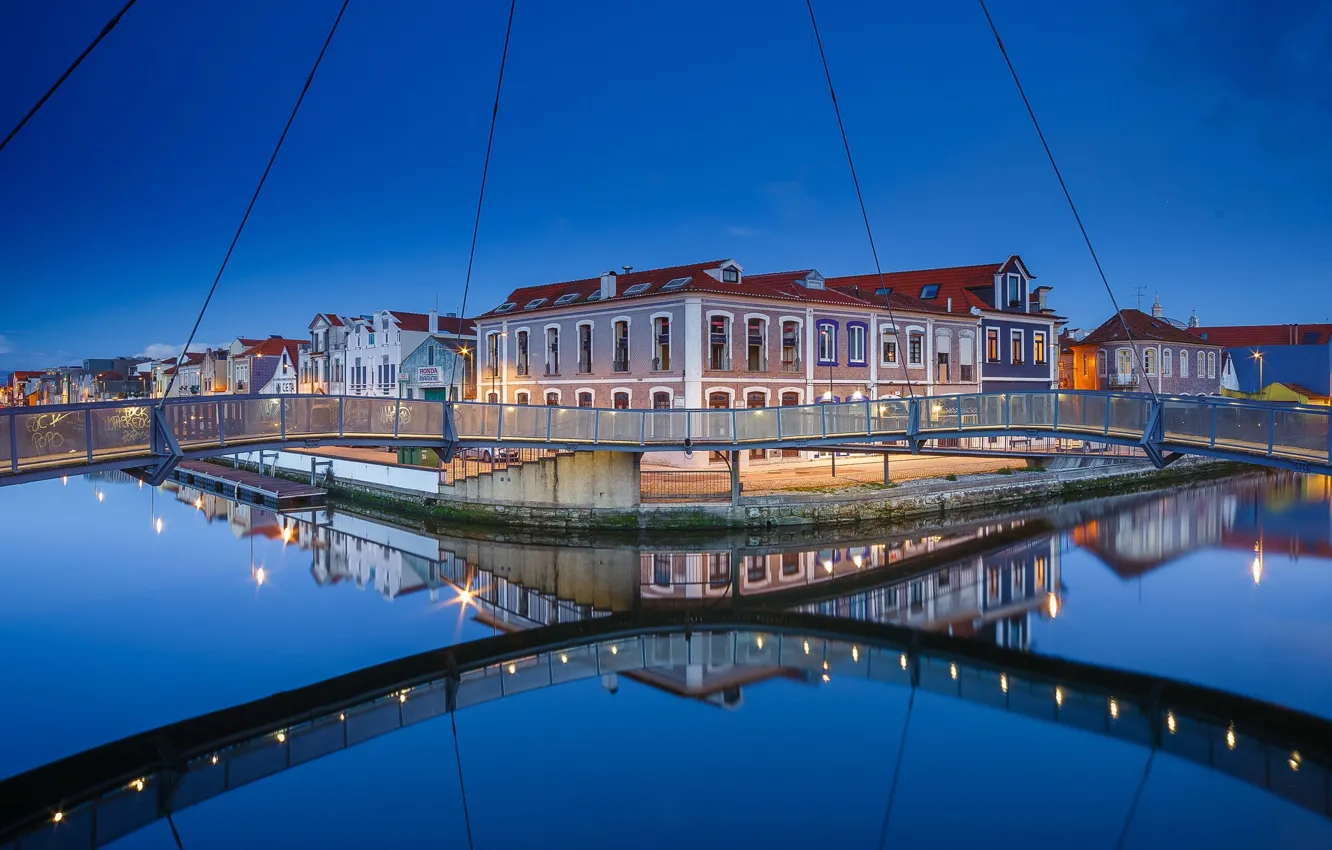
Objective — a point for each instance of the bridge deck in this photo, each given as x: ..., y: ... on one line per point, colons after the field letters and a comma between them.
x: 50, y: 441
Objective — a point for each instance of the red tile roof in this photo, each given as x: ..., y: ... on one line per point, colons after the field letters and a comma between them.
x: 968, y: 286
x: 1143, y: 328
x: 1240, y: 336
x: 1301, y: 389
x: 783, y: 286
x: 421, y: 322
x: 272, y: 347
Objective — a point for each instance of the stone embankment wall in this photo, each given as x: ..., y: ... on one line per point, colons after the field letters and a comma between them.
x: 599, y: 490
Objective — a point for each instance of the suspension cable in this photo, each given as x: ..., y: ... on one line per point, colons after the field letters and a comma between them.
x: 253, y: 198
x: 110, y: 25
x: 462, y: 788
x: 855, y: 181
x: 480, y: 198
x: 897, y: 770
x: 1133, y: 806
x: 1068, y: 197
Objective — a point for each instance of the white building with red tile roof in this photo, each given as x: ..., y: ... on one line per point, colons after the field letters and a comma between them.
x: 378, y: 343
x: 709, y: 335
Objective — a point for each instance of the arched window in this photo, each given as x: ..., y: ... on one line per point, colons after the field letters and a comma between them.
x: 1183, y: 363
x: 521, y: 398
x: 1149, y: 361
x: 1124, y: 362
x: 661, y: 400
x: 552, y: 398
x: 1100, y: 363
x: 585, y: 399
x: 1167, y: 363
x: 1202, y: 365
x: 492, y: 398
x: 620, y: 401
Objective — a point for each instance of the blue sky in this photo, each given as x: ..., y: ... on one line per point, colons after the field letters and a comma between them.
x: 1193, y: 135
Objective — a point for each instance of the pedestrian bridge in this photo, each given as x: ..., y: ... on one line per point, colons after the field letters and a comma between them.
x: 57, y: 440
x: 110, y: 791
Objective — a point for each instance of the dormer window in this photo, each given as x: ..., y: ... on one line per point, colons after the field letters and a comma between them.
x: 503, y: 308
x: 594, y: 295
x: 676, y: 283
x: 929, y: 291
x: 1014, y: 290
x: 534, y: 303
x: 567, y: 298
x: 730, y: 274
x: 637, y: 289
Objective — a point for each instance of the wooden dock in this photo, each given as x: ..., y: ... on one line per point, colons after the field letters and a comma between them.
x: 248, y: 487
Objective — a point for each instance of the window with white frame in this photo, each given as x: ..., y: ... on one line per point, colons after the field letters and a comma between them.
x: 1015, y: 347
x: 887, y: 347
x: 522, y: 347
x: 1202, y: 364
x: 855, y: 344
x: 661, y: 344
x: 790, y: 346
x: 1149, y: 361
x: 1183, y: 363
x: 584, y: 348
x: 553, y: 351
x: 719, y: 342
x: 620, y: 358
x: 827, y: 343
x: 1167, y: 363
x: 915, y: 348
x: 756, y: 345
x: 1211, y: 364
x: 1039, y: 355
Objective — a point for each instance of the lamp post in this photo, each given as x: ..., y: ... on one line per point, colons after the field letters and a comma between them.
x: 1258, y: 355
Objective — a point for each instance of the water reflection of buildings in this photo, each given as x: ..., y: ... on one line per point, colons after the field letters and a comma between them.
x: 1266, y: 515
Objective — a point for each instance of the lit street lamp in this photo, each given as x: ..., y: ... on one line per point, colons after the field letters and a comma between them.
x: 1258, y: 355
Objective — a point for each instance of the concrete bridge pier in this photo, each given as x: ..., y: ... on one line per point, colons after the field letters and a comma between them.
x: 596, y: 481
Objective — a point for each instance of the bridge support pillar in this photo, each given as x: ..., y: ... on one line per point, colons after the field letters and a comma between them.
x: 735, y: 477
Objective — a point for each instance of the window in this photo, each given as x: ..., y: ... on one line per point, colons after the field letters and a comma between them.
x: 1211, y: 364
x: 383, y: 323
x: 521, y: 398
x: 888, y: 347
x: 585, y: 399
x: 503, y: 308
x: 584, y: 349
x: 1014, y: 290
x: 1202, y: 364
x: 1038, y: 354
x: 430, y: 355
x: 719, y: 343
x: 492, y: 398
x: 883, y: 291
x: 372, y: 338
x: 790, y: 346
x: 552, y: 351
x: 855, y: 342
x: 1015, y: 347
x: 1183, y: 363
x: 552, y: 398
x: 522, y: 345
x: 1149, y: 361
x: 594, y: 295
x: 929, y: 291
x: 966, y: 344
x: 620, y: 401
x: 730, y: 274
x: 1167, y: 363
x: 620, y: 356
x: 637, y: 289
x: 492, y: 352
x: 1100, y: 363
x: 756, y: 345
x: 566, y: 298
x: 915, y: 348
x: 991, y: 345
x: 661, y: 400
x: 1086, y: 364
x: 676, y: 283
x: 827, y: 343
x: 534, y: 303
x: 943, y: 351
x: 1124, y: 362
x: 661, y: 344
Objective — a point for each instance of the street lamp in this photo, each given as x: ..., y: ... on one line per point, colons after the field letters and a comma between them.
x: 1258, y: 355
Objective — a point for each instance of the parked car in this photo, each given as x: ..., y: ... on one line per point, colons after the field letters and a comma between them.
x: 488, y: 454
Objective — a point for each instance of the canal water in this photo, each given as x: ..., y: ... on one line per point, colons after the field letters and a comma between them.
x: 127, y: 607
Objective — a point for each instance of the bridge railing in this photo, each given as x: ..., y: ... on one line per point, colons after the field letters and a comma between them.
x: 49, y: 438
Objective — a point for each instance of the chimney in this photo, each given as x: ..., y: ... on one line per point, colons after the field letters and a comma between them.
x: 434, y: 321
x: 950, y: 304
x: 607, y: 285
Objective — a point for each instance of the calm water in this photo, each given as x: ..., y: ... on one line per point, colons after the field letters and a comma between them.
x: 127, y: 608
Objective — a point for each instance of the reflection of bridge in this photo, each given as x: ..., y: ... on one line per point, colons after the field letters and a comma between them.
x: 51, y: 441
x: 97, y: 796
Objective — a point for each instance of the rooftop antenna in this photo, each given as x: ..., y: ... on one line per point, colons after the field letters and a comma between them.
x: 1138, y: 292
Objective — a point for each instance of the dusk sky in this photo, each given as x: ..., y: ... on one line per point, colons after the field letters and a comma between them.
x: 1195, y: 137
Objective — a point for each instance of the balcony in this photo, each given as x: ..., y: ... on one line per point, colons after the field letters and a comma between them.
x: 1121, y: 380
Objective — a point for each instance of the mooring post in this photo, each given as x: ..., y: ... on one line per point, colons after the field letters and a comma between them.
x: 886, y: 479
x: 735, y: 478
